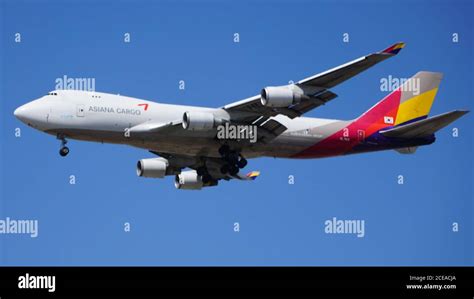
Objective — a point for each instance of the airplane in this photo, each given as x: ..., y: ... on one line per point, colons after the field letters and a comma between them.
x: 187, y: 145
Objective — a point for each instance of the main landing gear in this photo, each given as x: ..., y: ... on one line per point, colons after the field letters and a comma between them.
x: 205, y: 176
x: 64, y: 150
x: 234, y: 160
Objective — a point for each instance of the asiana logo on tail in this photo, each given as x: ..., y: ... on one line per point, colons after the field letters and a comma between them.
x: 388, y: 120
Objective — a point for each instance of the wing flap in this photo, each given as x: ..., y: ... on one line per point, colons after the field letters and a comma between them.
x: 269, y: 130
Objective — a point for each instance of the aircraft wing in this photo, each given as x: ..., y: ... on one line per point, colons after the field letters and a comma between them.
x: 153, y: 127
x: 348, y: 70
x: 318, y: 85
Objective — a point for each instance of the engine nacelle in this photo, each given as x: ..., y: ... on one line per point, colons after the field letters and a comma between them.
x: 152, y: 168
x: 188, y: 180
x: 279, y: 96
x: 199, y: 121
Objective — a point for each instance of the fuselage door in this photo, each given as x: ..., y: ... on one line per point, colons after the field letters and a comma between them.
x: 80, y: 110
x: 360, y: 135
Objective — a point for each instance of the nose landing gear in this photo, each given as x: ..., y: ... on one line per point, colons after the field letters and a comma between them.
x: 64, y: 150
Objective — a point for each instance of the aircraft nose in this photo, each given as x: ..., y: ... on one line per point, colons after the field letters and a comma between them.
x: 25, y: 113
x: 19, y: 112
x: 31, y: 113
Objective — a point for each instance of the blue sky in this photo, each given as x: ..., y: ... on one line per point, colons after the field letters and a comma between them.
x: 280, y: 224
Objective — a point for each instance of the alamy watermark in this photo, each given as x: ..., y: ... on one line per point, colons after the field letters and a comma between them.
x: 65, y: 82
x: 28, y: 281
x: 237, y: 132
x: 407, y: 84
x: 12, y: 226
x: 338, y: 226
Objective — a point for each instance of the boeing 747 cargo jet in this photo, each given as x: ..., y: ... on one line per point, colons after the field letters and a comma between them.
x: 201, y: 146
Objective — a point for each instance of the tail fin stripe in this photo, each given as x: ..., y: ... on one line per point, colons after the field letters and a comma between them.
x: 416, y: 106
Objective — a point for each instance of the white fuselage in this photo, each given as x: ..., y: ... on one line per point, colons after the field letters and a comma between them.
x: 103, y: 117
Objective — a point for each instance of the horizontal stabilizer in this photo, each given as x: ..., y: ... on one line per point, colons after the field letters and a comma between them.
x: 425, y: 127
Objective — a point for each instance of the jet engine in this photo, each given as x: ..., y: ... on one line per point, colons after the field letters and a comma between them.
x: 152, y: 168
x: 188, y: 180
x: 198, y: 121
x: 280, y: 96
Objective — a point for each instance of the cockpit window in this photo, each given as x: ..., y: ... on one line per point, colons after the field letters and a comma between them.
x: 52, y: 93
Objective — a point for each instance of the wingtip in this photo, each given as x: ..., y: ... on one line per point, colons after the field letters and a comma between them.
x: 394, y: 49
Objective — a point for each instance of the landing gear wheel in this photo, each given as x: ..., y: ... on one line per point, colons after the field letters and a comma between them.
x: 201, y: 171
x: 64, y: 151
x: 206, y: 178
x: 223, y: 150
x: 232, y: 158
x: 242, y: 162
x: 233, y: 170
x: 224, y: 169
